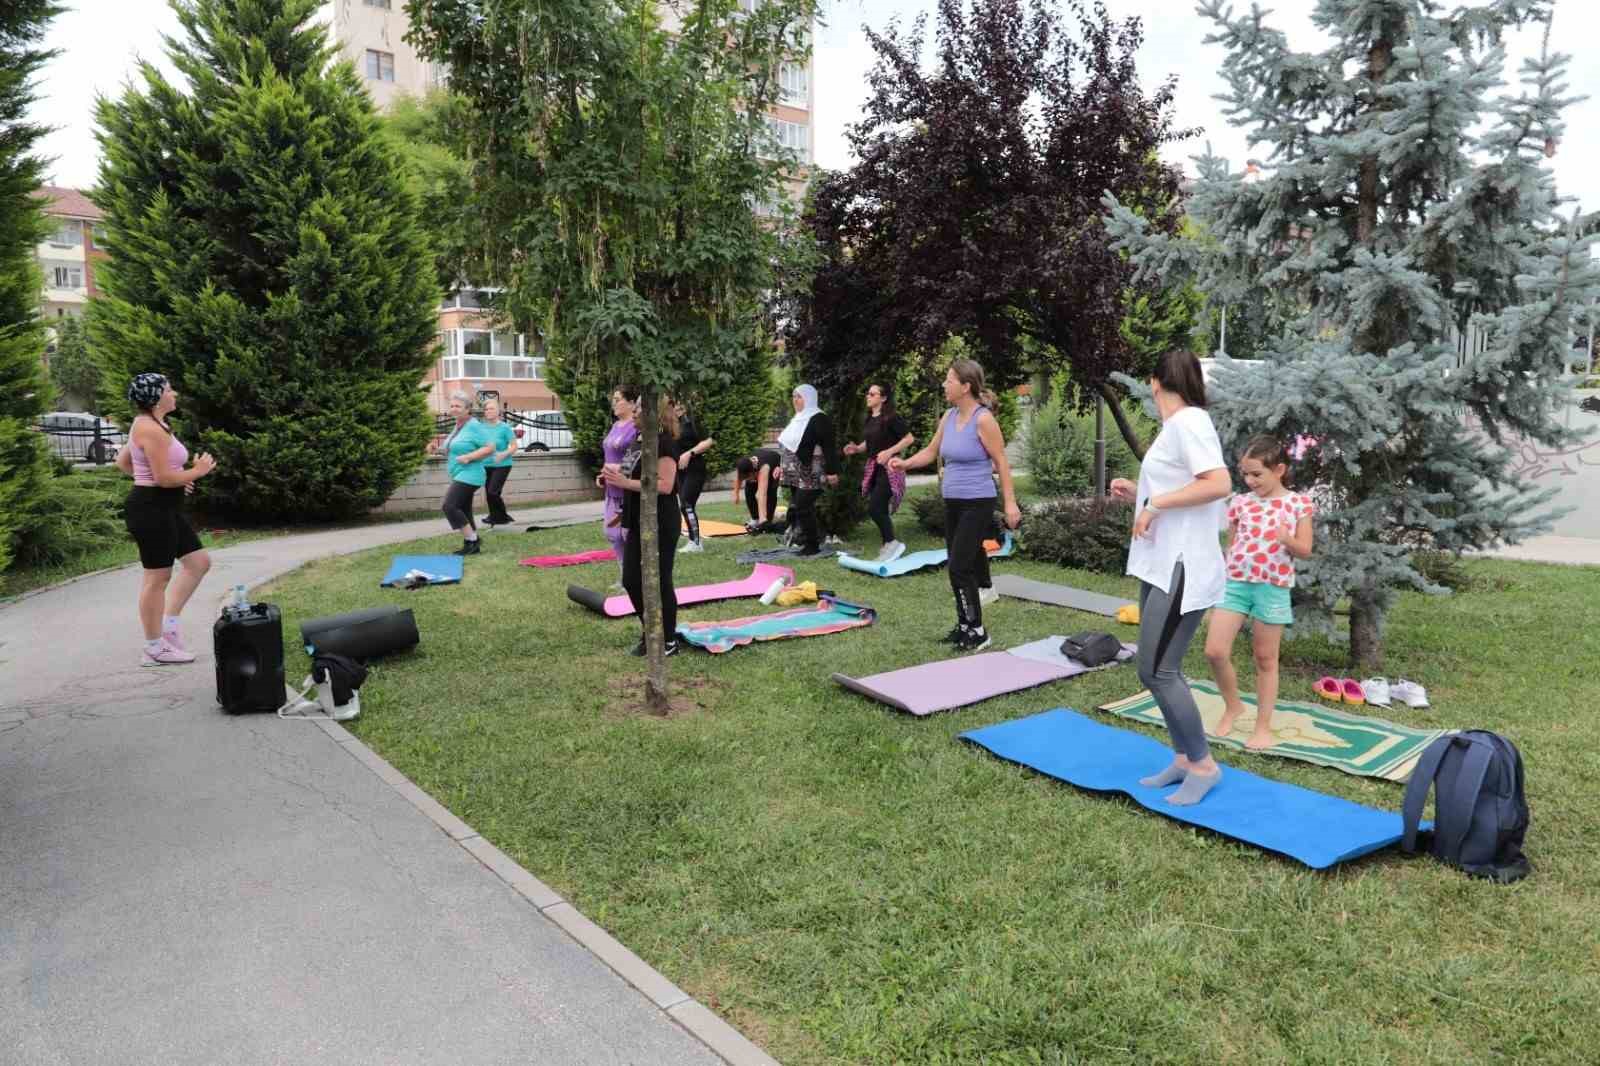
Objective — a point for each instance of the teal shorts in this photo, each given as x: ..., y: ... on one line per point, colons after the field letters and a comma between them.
x: 1258, y: 600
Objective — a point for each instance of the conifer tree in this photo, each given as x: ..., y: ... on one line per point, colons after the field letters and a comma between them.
x: 1409, y: 212
x: 265, y: 255
x: 24, y: 392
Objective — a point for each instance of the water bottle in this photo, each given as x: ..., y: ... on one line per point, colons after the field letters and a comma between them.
x: 239, y: 602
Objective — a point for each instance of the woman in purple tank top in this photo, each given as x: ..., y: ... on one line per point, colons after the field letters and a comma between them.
x: 156, y: 460
x: 973, y: 449
x: 616, y: 445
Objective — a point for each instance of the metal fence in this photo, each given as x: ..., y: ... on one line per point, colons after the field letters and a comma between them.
x: 81, y: 438
x: 537, y: 431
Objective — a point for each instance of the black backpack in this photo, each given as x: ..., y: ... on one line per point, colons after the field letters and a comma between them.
x: 1091, y: 648
x: 1480, y: 812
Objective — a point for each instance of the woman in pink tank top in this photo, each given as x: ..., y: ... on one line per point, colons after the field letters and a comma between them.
x: 162, y: 476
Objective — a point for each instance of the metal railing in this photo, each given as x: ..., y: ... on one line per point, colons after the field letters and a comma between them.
x: 95, y: 443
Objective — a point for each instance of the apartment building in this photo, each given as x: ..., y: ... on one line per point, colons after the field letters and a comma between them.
x: 69, y: 254
x: 475, y: 357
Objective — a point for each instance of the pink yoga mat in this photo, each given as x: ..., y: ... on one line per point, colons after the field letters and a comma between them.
x: 548, y: 561
x: 758, y: 582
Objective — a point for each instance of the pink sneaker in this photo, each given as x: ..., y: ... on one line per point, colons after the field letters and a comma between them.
x: 174, y: 639
x: 165, y: 655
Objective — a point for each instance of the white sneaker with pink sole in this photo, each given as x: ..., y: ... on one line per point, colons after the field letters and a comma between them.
x: 165, y: 654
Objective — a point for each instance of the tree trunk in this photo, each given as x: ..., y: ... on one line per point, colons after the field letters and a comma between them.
x: 1378, y: 60
x: 1123, y: 425
x: 1366, y: 635
x: 656, y: 699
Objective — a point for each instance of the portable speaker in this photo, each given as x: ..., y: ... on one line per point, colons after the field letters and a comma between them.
x: 248, y: 642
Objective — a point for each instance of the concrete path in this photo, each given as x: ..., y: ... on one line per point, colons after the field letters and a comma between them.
x: 178, y: 886
x: 1574, y: 551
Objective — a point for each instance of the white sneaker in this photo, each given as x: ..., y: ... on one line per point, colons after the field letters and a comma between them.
x: 691, y: 546
x: 987, y: 596
x: 1376, y: 690
x: 1413, y: 694
x: 164, y: 654
x: 891, y: 551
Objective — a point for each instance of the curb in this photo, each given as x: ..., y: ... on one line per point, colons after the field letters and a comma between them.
x: 698, y: 1020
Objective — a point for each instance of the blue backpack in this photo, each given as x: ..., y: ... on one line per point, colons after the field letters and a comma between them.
x: 1480, y: 812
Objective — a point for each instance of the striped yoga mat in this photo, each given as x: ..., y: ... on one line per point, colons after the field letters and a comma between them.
x: 1325, y: 735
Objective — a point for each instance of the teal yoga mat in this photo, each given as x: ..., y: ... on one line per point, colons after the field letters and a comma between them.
x: 830, y: 615
x: 1310, y: 827
x: 441, y: 569
x: 910, y: 564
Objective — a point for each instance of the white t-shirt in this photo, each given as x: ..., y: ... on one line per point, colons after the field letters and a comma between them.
x: 1186, y: 447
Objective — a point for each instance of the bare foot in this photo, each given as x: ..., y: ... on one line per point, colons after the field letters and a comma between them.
x: 1225, y: 723
x: 1260, y: 741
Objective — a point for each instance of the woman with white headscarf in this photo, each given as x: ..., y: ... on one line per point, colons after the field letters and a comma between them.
x: 810, y: 461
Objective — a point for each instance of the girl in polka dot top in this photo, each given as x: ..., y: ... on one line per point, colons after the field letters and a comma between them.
x: 1269, y: 528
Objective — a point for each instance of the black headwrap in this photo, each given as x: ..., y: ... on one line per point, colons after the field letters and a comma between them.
x: 145, y: 390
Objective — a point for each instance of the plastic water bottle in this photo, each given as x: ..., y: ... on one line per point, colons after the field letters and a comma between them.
x: 239, y: 602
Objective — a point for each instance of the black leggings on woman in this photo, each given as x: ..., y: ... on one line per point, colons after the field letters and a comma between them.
x: 494, y: 484
x: 966, y: 524
x: 879, y: 496
x: 803, y: 516
x: 458, y: 504
x: 690, y: 484
x: 633, y: 576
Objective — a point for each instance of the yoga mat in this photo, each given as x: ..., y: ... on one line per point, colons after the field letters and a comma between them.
x: 745, y: 588
x: 548, y: 561
x: 1310, y: 827
x: 911, y: 563
x: 441, y: 569
x: 830, y: 615
x: 1021, y: 588
x: 1327, y: 736
x: 946, y: 684
x: 712, y: 528
x: 561, y: 523
x: 767, y: 555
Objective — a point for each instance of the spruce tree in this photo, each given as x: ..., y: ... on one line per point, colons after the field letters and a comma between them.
x: 1409, y: 212
x: 265, y: 255
x: 24, y: 392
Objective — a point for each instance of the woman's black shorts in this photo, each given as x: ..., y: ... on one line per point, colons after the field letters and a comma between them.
x: 155, y: 518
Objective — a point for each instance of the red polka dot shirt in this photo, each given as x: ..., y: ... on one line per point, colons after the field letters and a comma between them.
x: 1255, y: 553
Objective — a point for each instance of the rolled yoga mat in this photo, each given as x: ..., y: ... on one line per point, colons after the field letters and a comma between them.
x: 1312, y: 828
x: 1021, y: 588
x: 746, y: 588
x: 1354, y: 743
x: 830, y: 615
x: 546, y: 562
x: 441, y: 569
x: 910, y: 564
x: 364, y: 634
x: 946, y: 684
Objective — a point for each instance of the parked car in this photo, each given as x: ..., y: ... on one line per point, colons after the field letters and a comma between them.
x: 541, y: 431
x: 72, y: 436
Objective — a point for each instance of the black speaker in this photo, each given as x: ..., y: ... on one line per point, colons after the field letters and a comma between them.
x: 361, y: 635
x: 249, y: 648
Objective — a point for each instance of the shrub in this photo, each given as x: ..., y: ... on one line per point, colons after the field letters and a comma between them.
x: 1084, y: 532
x: 80, y: 513
x: 1059, y: 450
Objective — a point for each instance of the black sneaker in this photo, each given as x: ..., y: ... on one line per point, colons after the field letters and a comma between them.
x: 469, y: 547
x: 972, y: 640
x: 638, y: 649
x: 671, y: 648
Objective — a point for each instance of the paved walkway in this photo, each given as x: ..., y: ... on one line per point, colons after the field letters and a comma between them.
x: 1576, y: 551
x: 178, y: 886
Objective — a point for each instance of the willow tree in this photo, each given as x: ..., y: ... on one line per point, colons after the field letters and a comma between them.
x: 618, y: 150
x: 1410, y: 219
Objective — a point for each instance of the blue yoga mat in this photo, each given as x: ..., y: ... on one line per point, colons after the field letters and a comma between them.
x: 1313, y: 828
x: 910, y: 564
x: 444, y: 569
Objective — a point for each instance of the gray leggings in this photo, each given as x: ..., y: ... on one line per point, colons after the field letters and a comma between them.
x: 1164, y: 636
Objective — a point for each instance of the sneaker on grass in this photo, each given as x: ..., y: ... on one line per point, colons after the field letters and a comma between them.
x: 1377, y: 691
x: 1410, y: 693
x: 973, y: 640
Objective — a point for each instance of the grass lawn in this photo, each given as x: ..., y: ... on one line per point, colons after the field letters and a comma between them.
x: 850, y: 885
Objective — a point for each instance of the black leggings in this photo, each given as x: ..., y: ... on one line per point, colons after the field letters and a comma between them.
x: 690, y: 484
x: 750, y: 499
x: 879, y: 496
x: 458, y: 504
x: 633, y: 576
x: 966, y: 524
x: 803, y: 516
x: 494, y: 484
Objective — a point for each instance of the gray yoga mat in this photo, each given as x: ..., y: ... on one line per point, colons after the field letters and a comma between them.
x: 1021, y: 588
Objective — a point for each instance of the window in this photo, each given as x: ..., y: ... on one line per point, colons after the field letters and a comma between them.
x: 380, y: 65
x: 64, y: 275
x: 794, y: 85
x: 97, y: 235
x: 377, y: 3
x: 794, y: 136
x: 68, y: 234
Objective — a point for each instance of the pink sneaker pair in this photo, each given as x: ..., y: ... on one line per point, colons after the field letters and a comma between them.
x: 165, y: 654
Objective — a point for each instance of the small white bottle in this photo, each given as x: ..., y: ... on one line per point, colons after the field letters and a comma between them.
x: 239, y: 602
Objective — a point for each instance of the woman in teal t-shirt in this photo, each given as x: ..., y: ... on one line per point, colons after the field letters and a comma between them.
x: 465, y: 449
x: 498, y: 466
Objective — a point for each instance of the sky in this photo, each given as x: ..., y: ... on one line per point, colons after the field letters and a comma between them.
x: 99, y: 53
